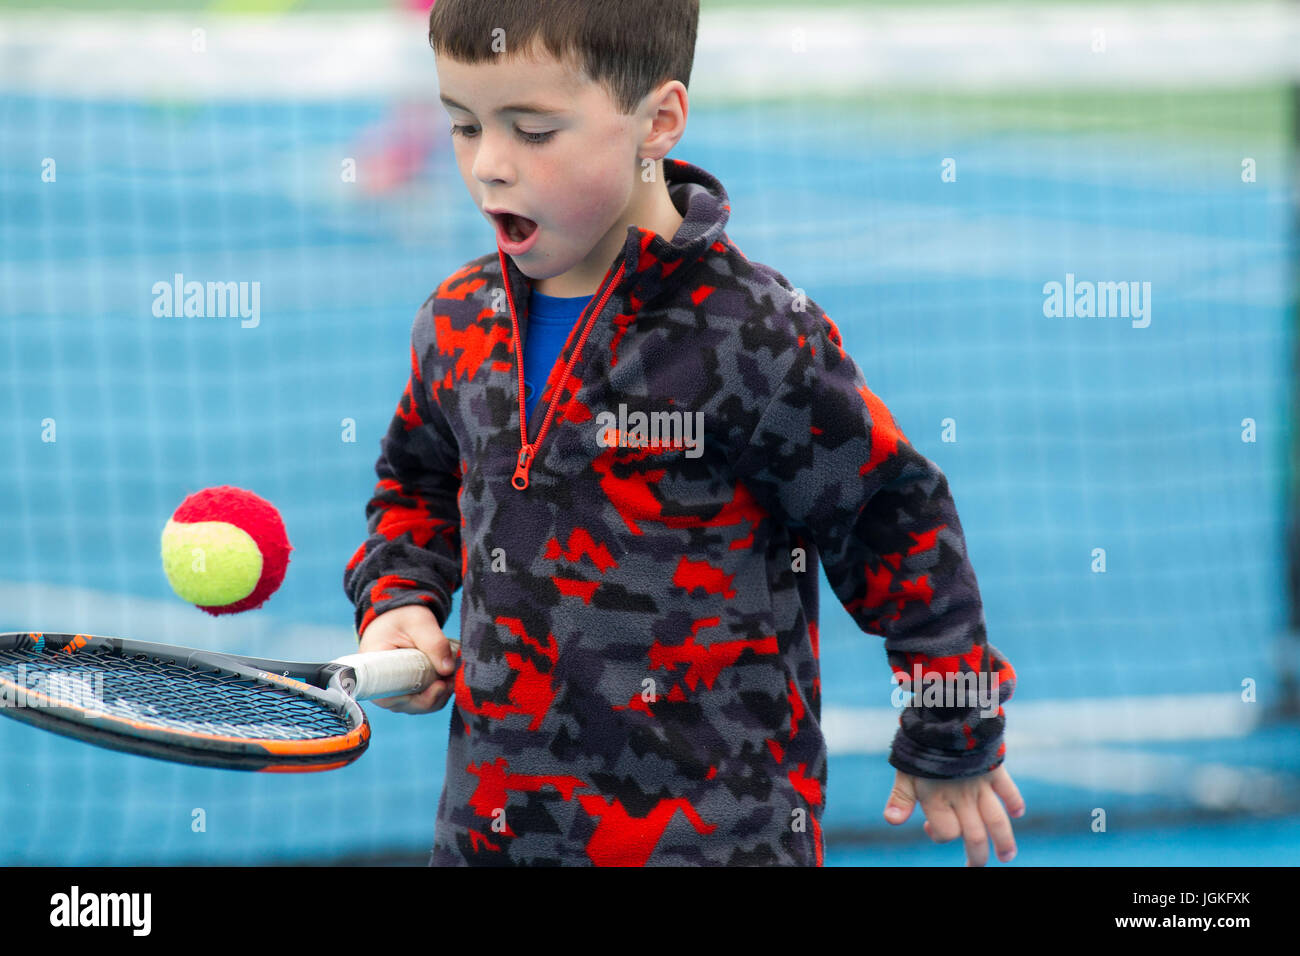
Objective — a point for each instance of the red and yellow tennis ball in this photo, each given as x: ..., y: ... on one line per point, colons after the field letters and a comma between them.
x: 225, y: 550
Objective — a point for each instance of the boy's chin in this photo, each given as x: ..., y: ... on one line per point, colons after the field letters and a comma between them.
x: 533, y: 271
x: 538, y: 269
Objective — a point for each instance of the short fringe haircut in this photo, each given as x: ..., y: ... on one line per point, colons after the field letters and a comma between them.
x: 628, y: 46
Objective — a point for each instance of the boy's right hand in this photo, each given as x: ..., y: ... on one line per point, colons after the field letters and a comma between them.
x: 414, y: 626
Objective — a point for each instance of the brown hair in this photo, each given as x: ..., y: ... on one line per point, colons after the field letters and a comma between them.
x: 628, y: 46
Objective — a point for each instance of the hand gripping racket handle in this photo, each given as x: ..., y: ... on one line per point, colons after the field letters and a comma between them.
x: 390, y: 673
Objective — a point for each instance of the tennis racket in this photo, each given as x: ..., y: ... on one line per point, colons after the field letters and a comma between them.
x: 202, y: 707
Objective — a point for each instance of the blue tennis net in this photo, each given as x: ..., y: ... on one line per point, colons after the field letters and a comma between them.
x: 1121, y: 476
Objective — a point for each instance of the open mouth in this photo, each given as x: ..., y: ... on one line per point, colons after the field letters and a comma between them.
x: 516, y: 228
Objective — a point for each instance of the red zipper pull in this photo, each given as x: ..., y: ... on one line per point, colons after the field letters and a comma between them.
x: 520, y: 480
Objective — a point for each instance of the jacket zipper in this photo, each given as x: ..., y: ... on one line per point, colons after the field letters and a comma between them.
x: 528, y: 451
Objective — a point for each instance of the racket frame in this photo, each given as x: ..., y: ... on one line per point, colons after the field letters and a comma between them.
x: 326, y: 683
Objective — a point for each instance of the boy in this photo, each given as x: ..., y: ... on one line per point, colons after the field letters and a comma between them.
x: 636, y: 499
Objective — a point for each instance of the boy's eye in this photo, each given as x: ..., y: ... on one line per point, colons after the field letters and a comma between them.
x: 535, y: 139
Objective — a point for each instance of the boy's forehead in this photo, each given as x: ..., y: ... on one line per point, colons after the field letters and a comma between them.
x: 502, y: 83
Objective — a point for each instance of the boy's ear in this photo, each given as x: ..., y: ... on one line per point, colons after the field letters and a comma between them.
x: 667, y: 107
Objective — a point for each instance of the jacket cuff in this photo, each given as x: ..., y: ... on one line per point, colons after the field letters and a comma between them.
x: 908, y: 756
x: 433, y: 599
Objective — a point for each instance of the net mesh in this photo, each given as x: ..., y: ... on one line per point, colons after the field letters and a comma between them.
x: 923, y: 174
x: 166, y: 696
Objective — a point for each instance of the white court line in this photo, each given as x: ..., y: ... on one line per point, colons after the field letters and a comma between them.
x: 70, y: 610
x: 1212, y: 786
x: 1063, y: 743
x: 1062, y: 725
x: 1059, y: 742
x: 802, y: 50
x: 1052, y: 725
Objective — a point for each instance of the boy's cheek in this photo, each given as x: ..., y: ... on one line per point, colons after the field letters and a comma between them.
x: 593, y: 208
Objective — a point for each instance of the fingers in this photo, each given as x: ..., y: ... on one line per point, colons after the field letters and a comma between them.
x: 420, y: 628
x: 901, y: 799
x: 1006, y: 789
x: 946, y: 821
x: 415, y: 626
x: 941, y: 821
x: 973, y: 833
x: 995, y: 818
x: 434, y: 697
x: 971, y: 809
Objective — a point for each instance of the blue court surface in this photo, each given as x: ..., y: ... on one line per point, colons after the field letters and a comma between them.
x: 1071, y: 435
x: 1237, y: 843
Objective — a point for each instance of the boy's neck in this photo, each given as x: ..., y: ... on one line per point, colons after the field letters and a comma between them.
x: 651, y: 208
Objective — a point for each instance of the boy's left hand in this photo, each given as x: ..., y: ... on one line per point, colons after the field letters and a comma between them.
x: 969, y: 807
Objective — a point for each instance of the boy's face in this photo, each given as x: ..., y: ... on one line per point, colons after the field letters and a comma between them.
x: 570, y: 169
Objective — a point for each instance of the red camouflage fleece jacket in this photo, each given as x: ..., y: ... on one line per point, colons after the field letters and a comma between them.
x: 639, y: 678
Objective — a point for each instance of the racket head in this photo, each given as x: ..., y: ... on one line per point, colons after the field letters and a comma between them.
x: 179, y: 704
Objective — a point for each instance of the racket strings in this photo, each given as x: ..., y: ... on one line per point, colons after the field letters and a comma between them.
x: 168, y: 695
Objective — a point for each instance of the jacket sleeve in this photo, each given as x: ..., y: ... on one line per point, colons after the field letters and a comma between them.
x: 412, y: 553
x: 827, y: 458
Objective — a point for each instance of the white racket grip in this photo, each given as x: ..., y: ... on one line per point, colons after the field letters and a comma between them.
x: 391, y: 673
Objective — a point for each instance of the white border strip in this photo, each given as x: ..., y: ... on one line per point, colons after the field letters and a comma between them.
x: 1056, y: 725
x: 1051, y: 725
x: 58, y: 609
x: 800, y: 51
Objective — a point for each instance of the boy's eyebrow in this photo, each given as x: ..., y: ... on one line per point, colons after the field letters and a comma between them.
x: 512, y: 108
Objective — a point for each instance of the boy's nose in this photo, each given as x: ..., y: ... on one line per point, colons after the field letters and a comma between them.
x: 491, y: 163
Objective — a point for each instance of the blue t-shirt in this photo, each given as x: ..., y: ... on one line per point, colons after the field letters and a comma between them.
x: 550, y: 319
